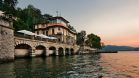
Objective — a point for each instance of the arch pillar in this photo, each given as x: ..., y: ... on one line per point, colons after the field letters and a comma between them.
x: 69, y: 52
x: 57, y: 52
x: 47, y: 52
x: 64, y: 52
x: 32, y: 52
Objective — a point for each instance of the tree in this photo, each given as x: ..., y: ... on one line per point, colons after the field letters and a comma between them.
x: 93, y: 41
x: 81, y: 38
x: 47, y: 18
x: 9, y: 6
x: 20, y: 25
x: 26, y: 18
x: 29, y: 17
x: 11, y: 3
x: 1, y: 4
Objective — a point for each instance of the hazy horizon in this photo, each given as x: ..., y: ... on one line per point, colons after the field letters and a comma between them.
x: 115, y: 21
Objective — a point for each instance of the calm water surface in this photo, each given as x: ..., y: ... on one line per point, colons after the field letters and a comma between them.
x: 120, y: 65
x: 108, y: 65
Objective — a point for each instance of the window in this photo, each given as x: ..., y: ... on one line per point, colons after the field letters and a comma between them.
x: 53, y: 31
x: 37, y: 32
x: 59, y: 40
x: 59, y: 28
x: 46, y: 32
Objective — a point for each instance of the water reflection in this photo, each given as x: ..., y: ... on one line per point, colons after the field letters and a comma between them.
x: 79, y: 66
x: 120, y: 65
x: 41, y: 68
x: 117, y: 65
x: 7, y: 70
x: 35, y: 68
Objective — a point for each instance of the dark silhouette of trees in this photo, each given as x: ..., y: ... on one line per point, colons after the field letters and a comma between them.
x: 25, y: 18
x: 1, y: 4
x: 8, y: 6
x: 93, y: 41
x: 81, y: 38
x: 28, y: 17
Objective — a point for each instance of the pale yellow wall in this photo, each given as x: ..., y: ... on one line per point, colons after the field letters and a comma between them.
x: 65, y: 33
x: 38, y: 52
x: 40, y: 31
x: 21, y: 52
x: 50, y: 31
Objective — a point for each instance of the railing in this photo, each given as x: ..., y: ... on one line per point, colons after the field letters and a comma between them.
x: 24, y: 36
x: 34, y: 37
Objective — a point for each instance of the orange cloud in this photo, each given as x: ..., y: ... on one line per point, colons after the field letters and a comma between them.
x: 125, y: 41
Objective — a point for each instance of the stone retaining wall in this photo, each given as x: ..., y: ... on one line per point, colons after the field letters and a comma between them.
x: 6, y: 42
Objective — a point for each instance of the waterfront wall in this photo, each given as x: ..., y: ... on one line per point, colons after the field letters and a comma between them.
x: 34, y: 48
x: 21, y: 53
x: 6, y: 40
x: 12, y: 46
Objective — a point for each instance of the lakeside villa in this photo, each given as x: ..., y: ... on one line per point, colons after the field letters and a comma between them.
x: 53, y: 38
x: 59, y: 28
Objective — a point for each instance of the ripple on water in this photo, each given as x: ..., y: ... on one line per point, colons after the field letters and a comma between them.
x: 118, y: 66
x: 80, y: 66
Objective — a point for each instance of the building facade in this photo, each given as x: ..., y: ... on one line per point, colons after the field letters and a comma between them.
x: 58, y: 27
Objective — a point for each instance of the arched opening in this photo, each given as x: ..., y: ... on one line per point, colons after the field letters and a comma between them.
x: 40, y: 50
x: 52, y: 51
x: 60, y: 51
x: 72, y: 51
x: 22, y: 50
x: 67, y: 52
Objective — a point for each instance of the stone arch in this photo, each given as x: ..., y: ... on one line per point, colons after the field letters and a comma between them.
x: 22, y: 42
x: 72, y: 51
x: 52, y: 50
x: 22, y: 50
x: 40, y: 50
x: 67, y: 51
x: 60, y: 51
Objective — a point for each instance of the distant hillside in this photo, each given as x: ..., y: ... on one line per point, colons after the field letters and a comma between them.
x: 137, y: 49
x: 118, y: 48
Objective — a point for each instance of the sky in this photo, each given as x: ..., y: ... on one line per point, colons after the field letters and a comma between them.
x: 115, y: 21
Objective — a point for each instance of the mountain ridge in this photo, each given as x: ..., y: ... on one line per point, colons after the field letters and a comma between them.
x: 119, y: 48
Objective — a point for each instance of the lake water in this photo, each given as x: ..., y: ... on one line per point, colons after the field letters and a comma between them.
x: 120, y: 65
x: 107, y: 65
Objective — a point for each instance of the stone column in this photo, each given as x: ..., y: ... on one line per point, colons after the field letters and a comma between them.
x: 32, y: 52
x: 57, y: 52
x: 69, y: 52
x: 47, y: 52
x: 64, y: 52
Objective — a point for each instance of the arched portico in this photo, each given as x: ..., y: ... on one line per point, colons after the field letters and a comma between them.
x: 40, y: 50
x: 72, y: 51
x: 22, y: 50
x: 67, y: 52
x: 52, y: 51
x: 60, y: 51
